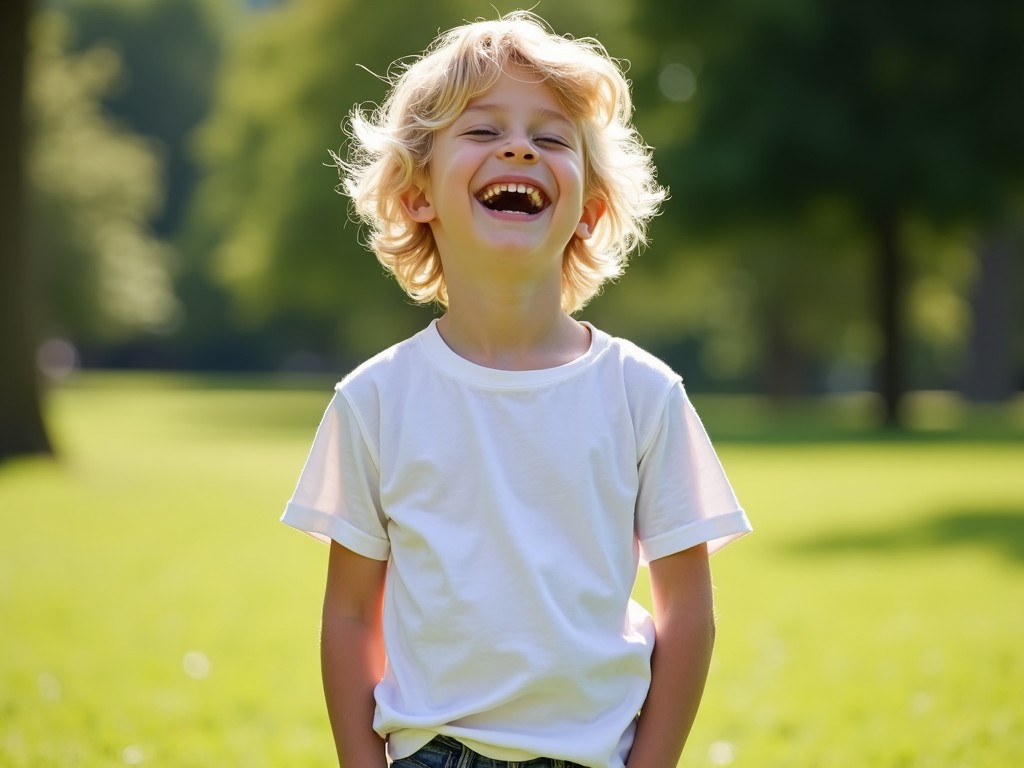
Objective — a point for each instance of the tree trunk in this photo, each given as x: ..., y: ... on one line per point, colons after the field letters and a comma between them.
x: 782, y: 370
x: 989, y: 367
x: 21, y: 423
x: 890, y: 293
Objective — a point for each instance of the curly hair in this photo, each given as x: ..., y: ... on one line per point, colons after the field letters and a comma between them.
x: 391, y: 146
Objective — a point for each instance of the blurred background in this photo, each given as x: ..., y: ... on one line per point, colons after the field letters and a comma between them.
x: 846, y: 214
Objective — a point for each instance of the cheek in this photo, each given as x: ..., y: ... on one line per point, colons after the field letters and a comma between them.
x: 455, y: 174
x: 574, y: 186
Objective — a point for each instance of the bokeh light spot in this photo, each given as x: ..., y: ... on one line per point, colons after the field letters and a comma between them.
x: 196, y: 665
x: 677, y: 82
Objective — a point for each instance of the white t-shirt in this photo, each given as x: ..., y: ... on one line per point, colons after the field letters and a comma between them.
x: 513, y: 508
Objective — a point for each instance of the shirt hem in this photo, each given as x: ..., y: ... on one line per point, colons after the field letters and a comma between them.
x: 716, y: 532
x: 326, y: 527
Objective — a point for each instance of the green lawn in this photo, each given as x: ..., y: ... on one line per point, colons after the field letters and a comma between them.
x: 154, y: 612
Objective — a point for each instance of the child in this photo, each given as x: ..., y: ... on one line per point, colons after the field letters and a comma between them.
x: 490, y: 485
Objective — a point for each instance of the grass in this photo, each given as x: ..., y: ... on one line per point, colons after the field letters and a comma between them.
x: 153, y: 611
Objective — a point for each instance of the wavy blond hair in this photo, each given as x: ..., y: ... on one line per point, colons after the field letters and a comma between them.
x: 392, y: 145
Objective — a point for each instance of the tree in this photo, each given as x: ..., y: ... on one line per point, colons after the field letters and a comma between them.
x: 892, y: 110
x: 996, y: 305
x: 77, y: 256
x: 22, y: 430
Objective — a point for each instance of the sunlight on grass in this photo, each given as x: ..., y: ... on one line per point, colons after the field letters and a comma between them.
x: 868, y: 621
x: 156, y: 613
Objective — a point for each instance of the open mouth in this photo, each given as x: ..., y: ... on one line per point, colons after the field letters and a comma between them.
x: 513, y: 198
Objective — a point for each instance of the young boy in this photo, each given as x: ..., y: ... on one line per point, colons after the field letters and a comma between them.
x: 490, y: 485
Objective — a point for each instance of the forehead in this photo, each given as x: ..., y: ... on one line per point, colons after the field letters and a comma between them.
x: 519, y: 89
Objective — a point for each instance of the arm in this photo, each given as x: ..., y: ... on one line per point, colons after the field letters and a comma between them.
x: 352, y: 654
x: 684, y: 635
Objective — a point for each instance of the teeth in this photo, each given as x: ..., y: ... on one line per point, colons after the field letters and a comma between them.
x: 523, y: 189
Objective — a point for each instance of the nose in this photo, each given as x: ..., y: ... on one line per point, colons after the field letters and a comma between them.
x: 518, y: 149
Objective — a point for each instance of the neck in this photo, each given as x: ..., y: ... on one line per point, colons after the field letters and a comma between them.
x: 512, y: 328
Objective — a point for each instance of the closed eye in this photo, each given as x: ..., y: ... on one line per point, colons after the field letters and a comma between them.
x: 481, y: 132
x: 556, y: 140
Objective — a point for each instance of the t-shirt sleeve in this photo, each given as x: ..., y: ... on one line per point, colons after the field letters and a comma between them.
x: 337, y: 496
x: 684, y: 496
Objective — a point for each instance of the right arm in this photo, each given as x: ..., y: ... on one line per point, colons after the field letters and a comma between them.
x: 352, y: 654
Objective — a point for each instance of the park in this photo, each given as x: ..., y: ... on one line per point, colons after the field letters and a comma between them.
x: 838, y: 277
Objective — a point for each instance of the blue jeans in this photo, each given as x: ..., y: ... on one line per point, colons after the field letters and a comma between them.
x: 446, y: 752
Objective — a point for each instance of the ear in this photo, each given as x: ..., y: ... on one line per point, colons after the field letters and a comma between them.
x: 593, y: 210
x: 417, y: 205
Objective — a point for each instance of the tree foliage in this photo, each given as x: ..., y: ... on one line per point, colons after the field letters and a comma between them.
x: 890, y: 112
x: 95, y: 189
x: 806, y: 145
x: 169, y: 52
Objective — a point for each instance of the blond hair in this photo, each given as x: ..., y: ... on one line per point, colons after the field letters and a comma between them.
x: 392, y: 146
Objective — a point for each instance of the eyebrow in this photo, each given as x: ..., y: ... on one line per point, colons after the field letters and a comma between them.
x: 550, y: 114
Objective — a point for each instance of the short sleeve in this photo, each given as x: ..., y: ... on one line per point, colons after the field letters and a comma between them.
x: 684, y: 497
x: 337, y: 496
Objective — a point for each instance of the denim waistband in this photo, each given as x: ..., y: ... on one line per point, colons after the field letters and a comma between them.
x: 446, y: 752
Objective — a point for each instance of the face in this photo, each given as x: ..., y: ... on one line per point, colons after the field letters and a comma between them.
x: 505, y: 184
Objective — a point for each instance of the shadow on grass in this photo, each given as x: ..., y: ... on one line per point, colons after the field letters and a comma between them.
x: 999, y: 531
x: 744, y: 419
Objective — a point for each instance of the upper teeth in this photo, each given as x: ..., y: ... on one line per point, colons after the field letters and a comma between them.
x: 524, y: 189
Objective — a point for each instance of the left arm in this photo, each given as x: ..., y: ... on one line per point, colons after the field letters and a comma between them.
x: 684, y: 635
